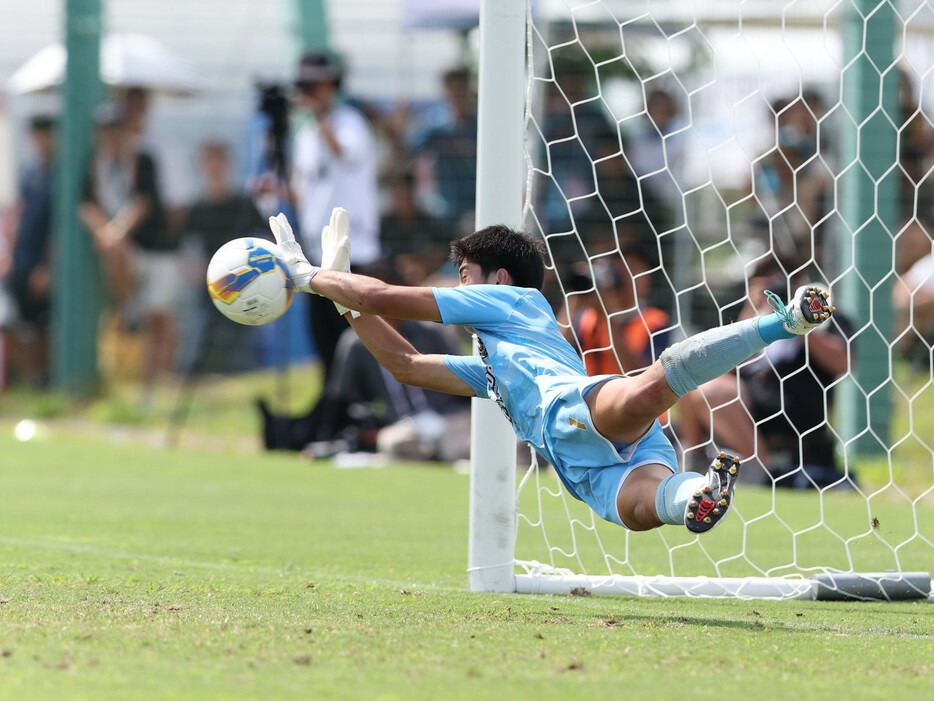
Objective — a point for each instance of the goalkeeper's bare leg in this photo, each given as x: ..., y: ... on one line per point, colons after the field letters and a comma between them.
x: 623, y: 409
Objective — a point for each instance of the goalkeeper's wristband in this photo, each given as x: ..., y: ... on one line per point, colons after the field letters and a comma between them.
x: 301, y: 275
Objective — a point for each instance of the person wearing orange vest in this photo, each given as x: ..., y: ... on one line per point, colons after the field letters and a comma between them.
x: 614, y: 332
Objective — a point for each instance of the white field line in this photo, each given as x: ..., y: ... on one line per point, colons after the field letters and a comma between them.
x: 229, y: 566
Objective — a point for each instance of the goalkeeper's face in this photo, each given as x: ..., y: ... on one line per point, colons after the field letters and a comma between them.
x: 472, y: 274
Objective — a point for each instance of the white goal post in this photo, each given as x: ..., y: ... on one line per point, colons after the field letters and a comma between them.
x: 500, y: 144
x: 872, y: 540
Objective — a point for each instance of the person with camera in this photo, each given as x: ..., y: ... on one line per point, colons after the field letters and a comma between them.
x: 333, y: 163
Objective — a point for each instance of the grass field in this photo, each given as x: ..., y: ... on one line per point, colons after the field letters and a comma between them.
x: 134, y: 571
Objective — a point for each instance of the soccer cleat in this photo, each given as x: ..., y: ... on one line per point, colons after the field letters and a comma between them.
x: 712, y: 501
x: 809, y: 308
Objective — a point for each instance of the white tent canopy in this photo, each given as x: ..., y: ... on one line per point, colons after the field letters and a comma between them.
x: 127, y: 60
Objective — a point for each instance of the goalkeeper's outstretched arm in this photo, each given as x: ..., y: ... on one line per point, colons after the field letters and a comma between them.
x: 371, y: 296
x: 359, y: 293
x: 376, y: 299
x: 400, y: 358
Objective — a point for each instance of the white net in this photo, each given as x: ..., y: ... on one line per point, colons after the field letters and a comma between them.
x: 682, y: 158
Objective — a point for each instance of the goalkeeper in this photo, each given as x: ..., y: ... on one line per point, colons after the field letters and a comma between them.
x: 600, y: 433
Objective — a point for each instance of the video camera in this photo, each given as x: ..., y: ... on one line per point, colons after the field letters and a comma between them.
x: 274, y: 104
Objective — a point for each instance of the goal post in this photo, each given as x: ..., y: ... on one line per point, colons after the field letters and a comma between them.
x: 500, y: 127
x: 574, y: 79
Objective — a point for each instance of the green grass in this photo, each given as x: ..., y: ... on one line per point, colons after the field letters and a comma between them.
x: 774, y: 534
x: 215, y: 409
x: 129, y: 571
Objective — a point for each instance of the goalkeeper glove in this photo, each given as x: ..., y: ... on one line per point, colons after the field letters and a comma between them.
x: 335, y: 248
x: 335, y: 242
x: 300, y: 270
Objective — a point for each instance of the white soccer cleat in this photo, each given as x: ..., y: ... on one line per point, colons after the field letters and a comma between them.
x: 809, y: 308
x: 713, y: 500
x: 300, y: 270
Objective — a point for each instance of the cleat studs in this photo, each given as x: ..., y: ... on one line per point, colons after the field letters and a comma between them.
x: 706, y: 490
x: 716, y: 512
x: 707, y: 520
x: 697, y: 495
x: 692, y: 505
x: 722, y: 456
x: 690, y: 514
x: 733, y: 470
x: 724, y: 493
x: 717, y: 465
x: 723, y: 502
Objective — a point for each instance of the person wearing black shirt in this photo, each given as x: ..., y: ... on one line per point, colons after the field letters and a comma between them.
x: 785, y: 404
x: 221, y: 215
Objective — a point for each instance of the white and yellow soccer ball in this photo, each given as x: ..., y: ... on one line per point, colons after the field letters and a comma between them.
x: 248, y: 281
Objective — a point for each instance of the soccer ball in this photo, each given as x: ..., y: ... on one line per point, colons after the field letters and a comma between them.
x: 248, y: 282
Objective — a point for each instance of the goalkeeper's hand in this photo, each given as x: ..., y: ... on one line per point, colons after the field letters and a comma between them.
x: 335, y: 248
x: 300, y: 270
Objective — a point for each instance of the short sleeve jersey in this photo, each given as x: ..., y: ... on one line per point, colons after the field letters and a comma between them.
x: 525, y: 363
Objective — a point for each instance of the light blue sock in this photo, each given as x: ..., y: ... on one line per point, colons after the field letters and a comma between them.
x: 772, y: 329
x: 707, y: 355
x: 673, y: 494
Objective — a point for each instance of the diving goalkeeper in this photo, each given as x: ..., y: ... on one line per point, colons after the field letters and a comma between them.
x: 600, y: 433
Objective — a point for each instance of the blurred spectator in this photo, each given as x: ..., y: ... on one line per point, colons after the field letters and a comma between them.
x: 334, y: 165
x: 656, y: 152
x: 792, y: 186
x: 786, y: 394
x: 364, y: 409
x: 447, y: 154
x: 916, y: 150
x: 619, y: 213
x: 25, y: 328
x: 221, y: 215
x: 413, y: 241
x: 616, y: 331
x: 913, y: 241
x: 175, y: 181
x: 913, y: 290
x: 576, y: 132
x: 574, y: 128
x: 122, y: 208
x: 811, y: 120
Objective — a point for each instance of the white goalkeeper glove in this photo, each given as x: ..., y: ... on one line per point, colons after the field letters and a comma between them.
x: 335, y: 249
x: 300, y: 270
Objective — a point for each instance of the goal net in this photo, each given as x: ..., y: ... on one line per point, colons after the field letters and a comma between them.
x: 683, y: 157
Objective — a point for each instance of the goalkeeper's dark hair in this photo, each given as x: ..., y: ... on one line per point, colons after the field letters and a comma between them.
x: 520, y: 254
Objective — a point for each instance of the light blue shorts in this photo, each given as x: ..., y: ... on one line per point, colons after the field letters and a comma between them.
x: 592, y: 468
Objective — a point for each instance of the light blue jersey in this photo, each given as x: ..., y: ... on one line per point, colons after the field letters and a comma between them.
x: 539, y: 382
